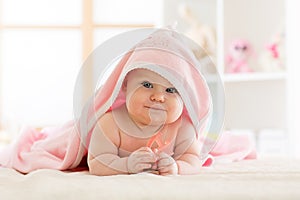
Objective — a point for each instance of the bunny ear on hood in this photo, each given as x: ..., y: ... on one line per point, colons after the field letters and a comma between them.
x: 167, y: 53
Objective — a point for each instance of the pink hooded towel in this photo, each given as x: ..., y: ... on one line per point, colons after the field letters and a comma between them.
x: 165, y: 52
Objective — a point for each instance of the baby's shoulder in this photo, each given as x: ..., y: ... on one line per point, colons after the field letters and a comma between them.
x: 106, y: 118
x: 107, y: 123
x: 108, y: 127
x: 183, y: 122
x: 186, y: 128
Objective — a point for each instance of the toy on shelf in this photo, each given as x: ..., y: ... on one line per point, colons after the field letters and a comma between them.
x: 203, y: 34
x: 240, y: 52
x: 272, y: 57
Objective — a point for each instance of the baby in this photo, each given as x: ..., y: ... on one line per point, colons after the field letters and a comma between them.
x: 148, y: 133
x: 151, y: 114
x: 165, y: 104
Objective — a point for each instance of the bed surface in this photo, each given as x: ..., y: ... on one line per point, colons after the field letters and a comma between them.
x: 250, y: 179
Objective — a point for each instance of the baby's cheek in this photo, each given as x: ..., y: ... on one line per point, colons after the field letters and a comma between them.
x: 176, y: 110
x: 134, y: 102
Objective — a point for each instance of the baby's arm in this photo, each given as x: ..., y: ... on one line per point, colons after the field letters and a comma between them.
x: 103, y: 156
x: 187, y: 150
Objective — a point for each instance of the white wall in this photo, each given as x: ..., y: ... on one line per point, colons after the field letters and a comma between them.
x: 293, y: 62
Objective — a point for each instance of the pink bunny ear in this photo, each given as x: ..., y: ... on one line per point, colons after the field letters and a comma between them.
x: 233, y: 147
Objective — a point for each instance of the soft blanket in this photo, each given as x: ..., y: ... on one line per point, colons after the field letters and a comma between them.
x: 274, y: 179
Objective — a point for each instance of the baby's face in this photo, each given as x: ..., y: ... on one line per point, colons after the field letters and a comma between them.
x: 151, y: 99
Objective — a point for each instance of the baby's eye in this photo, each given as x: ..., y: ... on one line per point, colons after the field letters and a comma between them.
x: 171, y: 90
x: 146, y: 84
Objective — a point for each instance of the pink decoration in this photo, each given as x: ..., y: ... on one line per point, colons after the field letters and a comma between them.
x: 240, y: 51
x: 273, y: 48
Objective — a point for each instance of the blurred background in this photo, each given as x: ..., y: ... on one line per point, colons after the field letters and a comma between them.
x: 254, y: 44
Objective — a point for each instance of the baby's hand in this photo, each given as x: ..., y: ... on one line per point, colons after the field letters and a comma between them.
x: 166, y: 165
x: 141, y: 160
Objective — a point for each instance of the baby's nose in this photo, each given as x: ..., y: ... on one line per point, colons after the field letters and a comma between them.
x: 158, y: 96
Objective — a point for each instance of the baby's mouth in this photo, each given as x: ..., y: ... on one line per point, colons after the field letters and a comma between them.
x: 159, y: 108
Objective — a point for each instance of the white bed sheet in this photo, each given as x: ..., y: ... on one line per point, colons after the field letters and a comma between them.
x: 249, y: 179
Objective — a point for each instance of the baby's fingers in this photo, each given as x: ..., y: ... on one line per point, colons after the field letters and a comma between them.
x: 167, y: 165
x: 165, y: 160
x: 143, y: 166
x: 147, y: 158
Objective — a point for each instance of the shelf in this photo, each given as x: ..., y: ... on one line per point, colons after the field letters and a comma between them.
x: 257, y: 76
x: 253, y: 101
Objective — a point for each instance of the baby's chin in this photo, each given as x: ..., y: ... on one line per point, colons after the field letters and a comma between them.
x: 154, y: 119
x: 156, y: 122
x: 159, y: 122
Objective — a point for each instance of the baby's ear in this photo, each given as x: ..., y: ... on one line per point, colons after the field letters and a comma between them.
x: 124, y: 85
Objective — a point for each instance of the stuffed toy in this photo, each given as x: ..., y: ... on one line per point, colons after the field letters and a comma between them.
x: 272, y: 57
x: 204, y: 35
x: 239, y: 53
